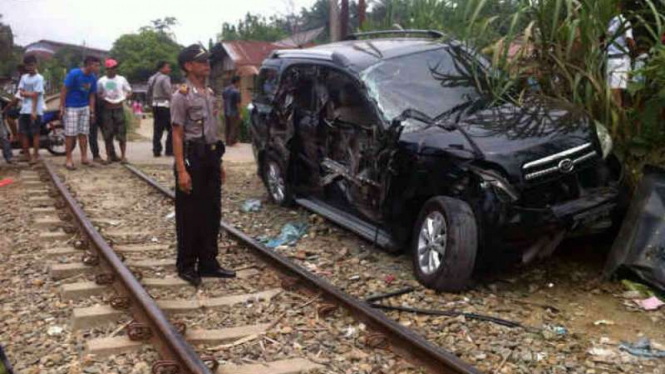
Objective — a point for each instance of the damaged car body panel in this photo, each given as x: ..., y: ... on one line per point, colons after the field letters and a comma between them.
x: 377, y: 136
x: 640, y: 244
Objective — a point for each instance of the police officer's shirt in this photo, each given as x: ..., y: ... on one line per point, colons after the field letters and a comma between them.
x: 195, y: 110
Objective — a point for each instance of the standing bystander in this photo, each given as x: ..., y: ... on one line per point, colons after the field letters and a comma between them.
x: 31, y: 88
x: 232, y: 100
x: 199, y: 170
x: 620, y: 36
x: 13, y: 110
x: 113, y: 90
x: 159, y: 97
x: 77, y: 107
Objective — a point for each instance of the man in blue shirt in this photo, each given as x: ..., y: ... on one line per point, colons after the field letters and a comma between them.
x: 77, y: 107
x: 232, y: 100
x: 31, y: 88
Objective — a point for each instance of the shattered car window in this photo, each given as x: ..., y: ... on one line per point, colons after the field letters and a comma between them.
x: 267, y: 84
x: 414, y: 81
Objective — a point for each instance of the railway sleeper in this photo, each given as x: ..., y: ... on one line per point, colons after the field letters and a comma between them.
x: 103, y: 347
x: 84, y: 318
x: 80, y: 290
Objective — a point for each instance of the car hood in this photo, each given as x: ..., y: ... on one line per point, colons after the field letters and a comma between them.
x: 506, y: 135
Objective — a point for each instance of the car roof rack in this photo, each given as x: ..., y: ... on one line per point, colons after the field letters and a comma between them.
x: 433, y: 34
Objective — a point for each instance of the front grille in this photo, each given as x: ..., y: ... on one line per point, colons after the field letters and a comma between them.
x: 560, y: 163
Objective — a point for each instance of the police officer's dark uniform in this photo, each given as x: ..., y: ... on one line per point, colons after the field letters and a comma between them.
x: 198, y: 212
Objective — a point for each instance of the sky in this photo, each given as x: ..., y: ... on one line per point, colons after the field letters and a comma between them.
x: 98, y: 24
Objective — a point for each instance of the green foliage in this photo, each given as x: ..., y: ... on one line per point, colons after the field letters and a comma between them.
x: 10, y: 54
x: 139, y: 53
x: 563, y: 50
x: 255, y: 27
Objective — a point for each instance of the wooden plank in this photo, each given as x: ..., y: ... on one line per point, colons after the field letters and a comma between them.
x: 289, y: 366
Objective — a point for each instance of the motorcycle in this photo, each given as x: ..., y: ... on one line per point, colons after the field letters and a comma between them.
x: 51, y: 133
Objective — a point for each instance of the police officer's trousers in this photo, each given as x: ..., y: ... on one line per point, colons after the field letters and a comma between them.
x: 198, y: 213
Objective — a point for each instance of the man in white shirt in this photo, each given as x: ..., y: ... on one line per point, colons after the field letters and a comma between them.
x: 31, y: 88
x: 620, y: 36
x: 113, y: 90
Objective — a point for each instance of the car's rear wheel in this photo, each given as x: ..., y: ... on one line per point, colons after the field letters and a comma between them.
x: 445, y: 244
x: 275, y: 180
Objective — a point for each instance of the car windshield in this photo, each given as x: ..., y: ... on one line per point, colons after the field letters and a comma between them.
x: 424, y: 81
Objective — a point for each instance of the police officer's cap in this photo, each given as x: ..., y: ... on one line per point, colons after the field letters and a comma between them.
x: 194, y: 52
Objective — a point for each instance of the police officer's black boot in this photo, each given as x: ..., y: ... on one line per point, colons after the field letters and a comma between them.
x: 191, y: 276
x: 216, y: 272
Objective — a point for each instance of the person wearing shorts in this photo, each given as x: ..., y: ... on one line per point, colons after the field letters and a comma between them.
x: 31, y: 88
x: 620, y: 35
x: 77, y: 108
x: 113, y: 90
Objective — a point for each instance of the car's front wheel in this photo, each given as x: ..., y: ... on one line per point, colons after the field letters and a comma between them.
x: 445, y: 243
x: 274, y: 177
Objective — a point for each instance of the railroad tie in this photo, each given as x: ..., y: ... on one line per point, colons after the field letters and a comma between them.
x: 43, y: 210
x: 103, y: 347
x: 50, y: 237
x: 48, y: 222
x: 80, y: 290
x: 100, y: 314
x: 289, y: 366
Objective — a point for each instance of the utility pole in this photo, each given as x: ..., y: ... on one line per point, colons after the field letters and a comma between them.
x: 334, y: 21
x: 344, y: 29
x: 361, y: 13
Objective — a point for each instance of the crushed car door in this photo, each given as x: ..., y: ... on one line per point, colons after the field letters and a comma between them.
x: 349, y: 124
x: 262, y: 115
x: 301, y: 115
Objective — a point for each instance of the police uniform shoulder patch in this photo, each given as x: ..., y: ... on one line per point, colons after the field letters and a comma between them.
x: 184, y: 89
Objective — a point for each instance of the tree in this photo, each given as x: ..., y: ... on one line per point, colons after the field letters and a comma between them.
x: 10, y: 54
x: 162, y: 26
x: 139, y: 53
x: 255, y: 27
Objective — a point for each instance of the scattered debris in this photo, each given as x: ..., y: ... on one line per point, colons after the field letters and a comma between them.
x: 290, y: 234
x: 6, y: 182
x: 390, y: 279
x: 375, y: 298
x: 170, y: 215
x: 640, y: 244
x: 642, y: 348
x: 652, y: 303
x: 251, y: 205
x: 450, y: 313
x: 55, y: 330
x: 603, y: 322
x: 558, y: 330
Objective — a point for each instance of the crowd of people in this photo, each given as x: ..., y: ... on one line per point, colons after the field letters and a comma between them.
x: 89, y: 104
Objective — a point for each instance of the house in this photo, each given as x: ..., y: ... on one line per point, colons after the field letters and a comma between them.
x: 45, y: 49
x: 244, y: 58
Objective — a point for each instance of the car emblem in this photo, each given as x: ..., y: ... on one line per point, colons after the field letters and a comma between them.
x: 566, y: 165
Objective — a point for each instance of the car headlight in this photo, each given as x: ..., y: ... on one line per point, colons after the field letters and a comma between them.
x: 605, y: 139
x: 502, y: 188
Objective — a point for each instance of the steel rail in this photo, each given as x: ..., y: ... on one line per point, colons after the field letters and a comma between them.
x: 169, y: 343
x: 403, y: 340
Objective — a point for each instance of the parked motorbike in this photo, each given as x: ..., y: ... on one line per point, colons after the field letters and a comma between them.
x: 51, y: 134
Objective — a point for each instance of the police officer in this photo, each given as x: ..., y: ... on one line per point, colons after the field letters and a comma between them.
x: 198, y: 170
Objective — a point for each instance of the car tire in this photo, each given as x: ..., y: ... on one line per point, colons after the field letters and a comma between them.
x: 274, y: 178
x: 444, y: 256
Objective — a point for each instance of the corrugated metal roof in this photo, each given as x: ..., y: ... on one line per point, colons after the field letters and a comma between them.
x: 244, y: 52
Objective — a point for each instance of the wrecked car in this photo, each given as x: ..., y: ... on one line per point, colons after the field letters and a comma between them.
x: 373, y: 134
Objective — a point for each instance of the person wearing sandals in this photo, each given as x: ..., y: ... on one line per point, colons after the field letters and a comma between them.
x: 31, y: 88
x: 77, y: 108
x: 113, y: 90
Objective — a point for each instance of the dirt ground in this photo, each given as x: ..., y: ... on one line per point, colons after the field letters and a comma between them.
x: 574, y: 320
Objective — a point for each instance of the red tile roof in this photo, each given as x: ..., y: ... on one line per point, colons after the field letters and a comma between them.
x: 244, y: 52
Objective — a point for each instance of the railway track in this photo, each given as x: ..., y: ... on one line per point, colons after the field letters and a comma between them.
x: 275, y: 317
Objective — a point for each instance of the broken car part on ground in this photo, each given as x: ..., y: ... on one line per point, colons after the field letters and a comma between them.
x: 383, y: 137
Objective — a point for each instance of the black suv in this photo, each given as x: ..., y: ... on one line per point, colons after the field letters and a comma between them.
x: 375, y: 134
